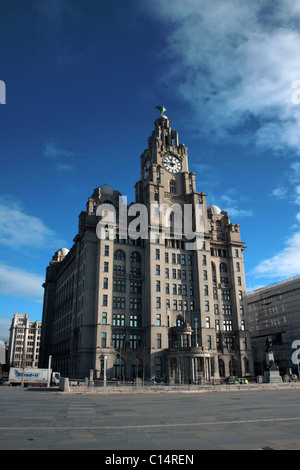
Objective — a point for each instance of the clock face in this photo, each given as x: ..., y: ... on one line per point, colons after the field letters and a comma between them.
x: 146, y: 170
x: 172, y: 164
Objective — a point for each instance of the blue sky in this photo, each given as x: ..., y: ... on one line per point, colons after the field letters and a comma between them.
x: 82, y: 82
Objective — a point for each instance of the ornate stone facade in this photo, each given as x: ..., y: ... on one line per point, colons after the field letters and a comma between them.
x: 158, y: 305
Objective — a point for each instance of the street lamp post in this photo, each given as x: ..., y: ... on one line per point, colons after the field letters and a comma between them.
x: 105, y: 369
x: 49, y: 371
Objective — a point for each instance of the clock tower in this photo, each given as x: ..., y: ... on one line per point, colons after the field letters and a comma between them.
x: 165, y: 177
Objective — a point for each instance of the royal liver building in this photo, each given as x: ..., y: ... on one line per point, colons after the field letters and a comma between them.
x: 152, y: 289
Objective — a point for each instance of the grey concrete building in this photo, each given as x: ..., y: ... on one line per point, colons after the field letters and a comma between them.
x: 160, y: 304
x: 274, y: 312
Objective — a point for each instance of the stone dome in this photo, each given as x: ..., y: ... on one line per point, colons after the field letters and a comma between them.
x: 63, y: 251
x: 215, y: 209
x: 106, y: 189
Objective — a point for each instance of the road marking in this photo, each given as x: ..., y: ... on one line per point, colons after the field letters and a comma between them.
x: 149, y: 426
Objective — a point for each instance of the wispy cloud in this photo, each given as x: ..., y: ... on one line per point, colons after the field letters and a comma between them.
x: 20, y: 230
x: 53, y: 151
x: 59, y: 155
x: 235, y: 63
x: 234, y: 203
x: 285, y: 264
x: 17, y: 282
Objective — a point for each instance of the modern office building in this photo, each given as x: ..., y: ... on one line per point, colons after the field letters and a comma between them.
x: 155, y: 288
x: 273, y: 312
x: 24, y: 341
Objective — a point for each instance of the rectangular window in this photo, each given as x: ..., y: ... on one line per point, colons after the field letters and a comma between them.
x: 119, y: 302
x: 106, y: 264
x: 225, y: 295
x: 157, y: 254
x: 134, y: 321
x: 158, y: 341
x: 118, y: 340
x: 135, y: 287
x: 135, y: 304
x: 226, y: 309
x: 104, y: 303
x: 103, y: 340
x: 104, y: 318
x: 158, y: 320
x: 106, y: 250
x: 228, y: 325
x: 157, y: 270
x: 118, y: 319
x: 158, y: 302
x: 134, y: 341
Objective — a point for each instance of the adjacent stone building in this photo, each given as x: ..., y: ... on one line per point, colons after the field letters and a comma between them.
x: 273, y: 312
x: 24, y: 341
x: 158, y: 290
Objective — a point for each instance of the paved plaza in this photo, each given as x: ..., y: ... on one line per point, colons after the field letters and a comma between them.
x: 232, y: 420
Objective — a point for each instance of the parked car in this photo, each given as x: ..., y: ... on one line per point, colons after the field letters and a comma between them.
x: 4, y: 381
x: 238, y: 381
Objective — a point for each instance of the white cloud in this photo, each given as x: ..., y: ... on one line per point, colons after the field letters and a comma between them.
x: 20, y: 230
x: 235, y: 62
x: 280, y: 192
x: 51, y: 150
x: 284, y: 264
x: 17, y: 282
x: 233, y: 203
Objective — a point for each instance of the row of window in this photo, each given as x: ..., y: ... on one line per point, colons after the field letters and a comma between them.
x: 118, y: 341
x: 227, y: 324
x: 136, y: 303
x: 120, y: 302
x: 120, y: 285
x: 175, y: 274
x: 135, y: 341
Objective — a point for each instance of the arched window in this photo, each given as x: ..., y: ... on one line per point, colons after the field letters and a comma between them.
x: 119, y: 255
